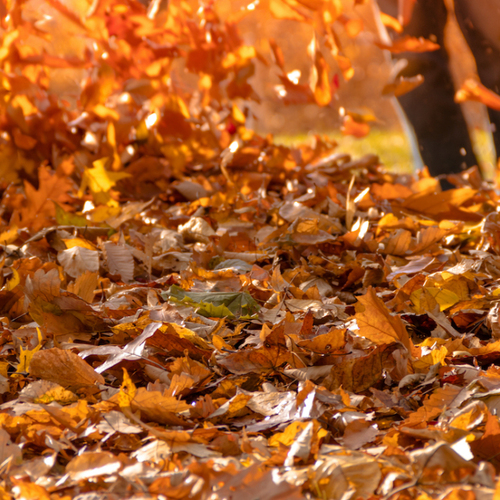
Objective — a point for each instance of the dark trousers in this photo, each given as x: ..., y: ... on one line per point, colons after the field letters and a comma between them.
x: 439, y: 125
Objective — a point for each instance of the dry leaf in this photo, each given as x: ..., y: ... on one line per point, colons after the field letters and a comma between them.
x: 64, y: 368
x: 377, y: 323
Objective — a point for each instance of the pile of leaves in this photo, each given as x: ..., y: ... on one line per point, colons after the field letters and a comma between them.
x: 191, y: 311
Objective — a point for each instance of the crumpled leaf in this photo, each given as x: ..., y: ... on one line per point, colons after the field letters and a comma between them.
x: 132, y: 351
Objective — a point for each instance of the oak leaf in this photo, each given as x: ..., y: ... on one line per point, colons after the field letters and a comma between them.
x: 38, y: 210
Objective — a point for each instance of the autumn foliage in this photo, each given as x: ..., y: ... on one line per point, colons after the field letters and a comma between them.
x: 191, y: 311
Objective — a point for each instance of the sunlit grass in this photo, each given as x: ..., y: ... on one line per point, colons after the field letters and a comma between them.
x: 391, y: 146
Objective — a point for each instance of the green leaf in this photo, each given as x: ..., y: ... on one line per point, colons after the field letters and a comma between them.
x: 68, y: 219
x: 215, y: 304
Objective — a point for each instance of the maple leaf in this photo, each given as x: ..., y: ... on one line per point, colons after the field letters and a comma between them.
x: 38, y: 210
x: 100, y: 181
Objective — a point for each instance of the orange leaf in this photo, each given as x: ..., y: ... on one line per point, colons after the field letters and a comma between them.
x: 23, y: 141
x: 64, y: 368
x: 402, y: 85
x: 377, y: 323
x: 283, y: 9
x: 433, y: 406
x: 432, y: 204
x: 391, y: 22
x: 410, y: 44
x: 472, y: 90
x: 39, y: 209
x: 352, y: 127
x: 320, y: 83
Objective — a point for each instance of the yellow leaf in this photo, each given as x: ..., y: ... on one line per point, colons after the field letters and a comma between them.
x: 107, y: 113
x: 219, y: 343
x: 496, y: 495
x: 127, y: 391
x: 14, y: 281
x: 432, y: 341
x: 26, y: 355
x: 435, y: 356
x: 238, y: 114
x: 59, y: 394
x: 472, y: 418
x: 426, y: 298
x: 4, y: 366
x: 79, y: 242
x: 186, y: 333
x: 9, y: 236
x: 287, y: 437
x: 103, y: 213
x: 100, y: 181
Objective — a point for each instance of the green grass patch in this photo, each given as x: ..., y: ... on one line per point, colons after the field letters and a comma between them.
x: 391, y: 146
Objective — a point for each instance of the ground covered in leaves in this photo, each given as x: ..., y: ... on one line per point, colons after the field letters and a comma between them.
x: 190, y: 311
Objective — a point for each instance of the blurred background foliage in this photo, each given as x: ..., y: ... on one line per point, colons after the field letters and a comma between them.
x: 80, y: 75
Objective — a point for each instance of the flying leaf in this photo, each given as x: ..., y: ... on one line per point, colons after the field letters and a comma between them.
x: 410, y: 44
x: 472, y: 90
x: 26, y: 355
x: 132, y: 351
x: 402, y: 85
x: 285, y: 9
x: 127, y: 391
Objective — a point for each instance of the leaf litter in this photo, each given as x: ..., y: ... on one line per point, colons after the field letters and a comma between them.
x: 188, y: 310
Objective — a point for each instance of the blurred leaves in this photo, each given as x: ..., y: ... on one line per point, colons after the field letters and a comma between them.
x: 188, y: 310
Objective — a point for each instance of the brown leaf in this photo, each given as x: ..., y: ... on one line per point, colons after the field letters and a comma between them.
x: 64, y: 368
x: 119, y: 260
x: 358, y: 373
x: 487, y: 446
x: 93, y: 464
x: 263, y: 360
x: 402, y: 85
x: 377, y: 323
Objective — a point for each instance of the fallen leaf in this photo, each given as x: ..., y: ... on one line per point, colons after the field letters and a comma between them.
x: 64, y: 368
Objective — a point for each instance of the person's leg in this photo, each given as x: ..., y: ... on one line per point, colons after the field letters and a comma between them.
x: 479, y: 21
x: 438, y: 121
